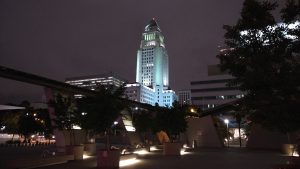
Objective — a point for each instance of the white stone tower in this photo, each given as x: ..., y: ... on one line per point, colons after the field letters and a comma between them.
x: 152, y: 58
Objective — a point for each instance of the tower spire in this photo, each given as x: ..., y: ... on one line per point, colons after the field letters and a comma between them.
x: 152, y: 26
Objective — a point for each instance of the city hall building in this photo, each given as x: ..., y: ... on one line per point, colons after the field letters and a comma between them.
x: 152, y: 70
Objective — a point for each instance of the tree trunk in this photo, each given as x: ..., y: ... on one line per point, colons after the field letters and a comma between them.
x: 288, y: 137
x: 107, y: 141
x: 73, y: 131
x: 12, y: 139
x: 87, y: 137
x: 239, y: 120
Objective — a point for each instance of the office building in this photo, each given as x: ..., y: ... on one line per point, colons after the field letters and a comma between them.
x: 92, y: 82
x: 184, y: 97
x: 212, y: 90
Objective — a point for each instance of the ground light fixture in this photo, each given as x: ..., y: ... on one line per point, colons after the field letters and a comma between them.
x: 122, y: 163
x: 141, y: 152
x: 86, y: 156
x: 184, y: 152
x: 154, y: 148
x: 128, y: 162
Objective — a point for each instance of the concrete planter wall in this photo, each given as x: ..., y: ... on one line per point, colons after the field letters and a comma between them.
x: 289, y: 149
x: 108, y: 158
x: 298, y: 149
x: 90, y: 149
x: 201, y: 132
x: 172, y: 148
x: 76, y: 150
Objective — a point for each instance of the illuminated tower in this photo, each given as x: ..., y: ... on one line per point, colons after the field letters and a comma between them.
x: 152, y: 70
x: 152, y: 58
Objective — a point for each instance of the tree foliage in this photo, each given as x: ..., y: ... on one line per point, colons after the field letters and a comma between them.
x: 26, y: 121
x: 45, y: 122
x: 291, y: 12
x: 171, y: 120
x: 66, y: 112
x: 27, y: 124
x: 263, y: 56
x: 143, y: 121
x: 11, y: 120
x: 101, y: 111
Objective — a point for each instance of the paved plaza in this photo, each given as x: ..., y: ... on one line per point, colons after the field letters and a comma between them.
x: 233, y: 158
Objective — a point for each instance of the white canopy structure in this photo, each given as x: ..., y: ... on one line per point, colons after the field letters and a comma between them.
x: 7, y: 107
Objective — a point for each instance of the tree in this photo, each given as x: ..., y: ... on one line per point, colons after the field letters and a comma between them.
x: 44, y: 120
x: 66, y: 113
x: 28, y: 125
x: 143, y: 122
x: 10, y: 120
x: 291, y: 12
x: 26, y: 121
x: 239, y: 115
x: 171, y: 120
x: 263, y: 57
x: 101, y: 111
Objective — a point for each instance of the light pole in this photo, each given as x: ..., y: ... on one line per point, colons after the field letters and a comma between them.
x: 226, y: 121
x: 115, y: 125
x: 134, y: 111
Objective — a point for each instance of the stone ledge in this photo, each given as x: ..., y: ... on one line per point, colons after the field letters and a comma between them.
x: 287, y: 166
x: 128, y: 156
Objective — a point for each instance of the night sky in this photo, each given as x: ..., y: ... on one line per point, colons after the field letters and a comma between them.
x: 59, y: 39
